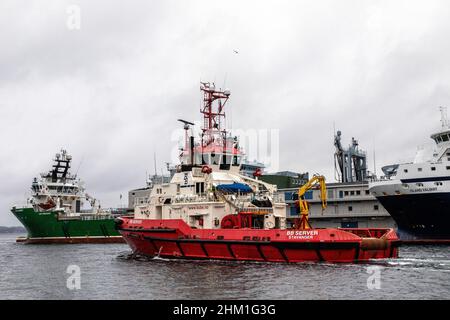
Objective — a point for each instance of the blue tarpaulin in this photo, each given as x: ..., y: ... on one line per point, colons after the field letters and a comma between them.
x: 234, y: 188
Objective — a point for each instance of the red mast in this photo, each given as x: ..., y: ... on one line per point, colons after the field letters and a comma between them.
x: 213, y: 112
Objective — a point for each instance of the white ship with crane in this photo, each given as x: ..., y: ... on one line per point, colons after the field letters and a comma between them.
x: 417, y: 194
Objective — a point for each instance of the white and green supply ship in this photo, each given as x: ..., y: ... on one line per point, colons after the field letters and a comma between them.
x: 55, y: 211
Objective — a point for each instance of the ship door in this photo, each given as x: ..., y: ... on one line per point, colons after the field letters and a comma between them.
x: 277, y: 223
x: 158, y: 212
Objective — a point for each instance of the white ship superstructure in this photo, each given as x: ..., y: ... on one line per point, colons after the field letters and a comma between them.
x: 417, y: 194
x: 207, y: 185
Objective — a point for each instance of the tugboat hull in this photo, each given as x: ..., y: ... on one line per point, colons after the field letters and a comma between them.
x: 175, y: 239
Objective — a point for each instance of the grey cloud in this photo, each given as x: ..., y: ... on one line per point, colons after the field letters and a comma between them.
x: 111, y: 92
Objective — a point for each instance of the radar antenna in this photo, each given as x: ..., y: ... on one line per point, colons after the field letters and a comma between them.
x: 444, y: 119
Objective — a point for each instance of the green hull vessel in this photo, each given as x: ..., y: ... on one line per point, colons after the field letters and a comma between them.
x: 47, y: 227
x: 54, y: 213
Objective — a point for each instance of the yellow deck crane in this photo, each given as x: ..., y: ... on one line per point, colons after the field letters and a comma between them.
x: 317, y: 180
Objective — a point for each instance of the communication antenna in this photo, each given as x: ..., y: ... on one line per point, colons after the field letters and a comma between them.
x: 374, y: 163
x: 81, y: 162
x: 154, y: 161
x: 444, y: 119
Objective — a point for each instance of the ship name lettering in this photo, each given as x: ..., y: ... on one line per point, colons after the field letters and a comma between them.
x: 424, y: 190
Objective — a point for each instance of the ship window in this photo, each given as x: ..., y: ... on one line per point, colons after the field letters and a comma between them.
x: 346, y: 193
x: 200, y: 187
x: 288, y: 195
x: 330, y: 194
x: 367, y: 192
x: 419, y: 184
x: 205, y: 159
x: 444, y: 137
x: 448, y: 168
x: 406, y: 170
x: 433, y: 168
x: 350, y: 208
x: 358, y: 192
x: 376, y: 207
x: 236, y: 161
x: 215, y: 158
x: 405, y: 186
x: 438, y: 183
x: 419, y: 169
x: 352, y: 193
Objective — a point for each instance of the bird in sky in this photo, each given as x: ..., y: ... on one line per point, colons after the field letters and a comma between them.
x: 236, y: 51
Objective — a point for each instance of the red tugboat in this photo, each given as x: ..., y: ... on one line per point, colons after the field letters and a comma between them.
x: 210, y: 211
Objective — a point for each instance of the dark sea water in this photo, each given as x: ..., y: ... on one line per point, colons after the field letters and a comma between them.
x: 107, y: 272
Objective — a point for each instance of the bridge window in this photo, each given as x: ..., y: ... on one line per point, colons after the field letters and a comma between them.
x: 205, y: 159
x: 215, y: 158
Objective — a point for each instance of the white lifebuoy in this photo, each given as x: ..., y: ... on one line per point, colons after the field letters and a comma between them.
x: 269, y: 224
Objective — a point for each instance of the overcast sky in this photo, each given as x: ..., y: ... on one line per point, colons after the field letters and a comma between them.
x: 111, y: 91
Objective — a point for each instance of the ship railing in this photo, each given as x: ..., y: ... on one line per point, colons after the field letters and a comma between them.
x: 21, y: 206
x: 96, y: 217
